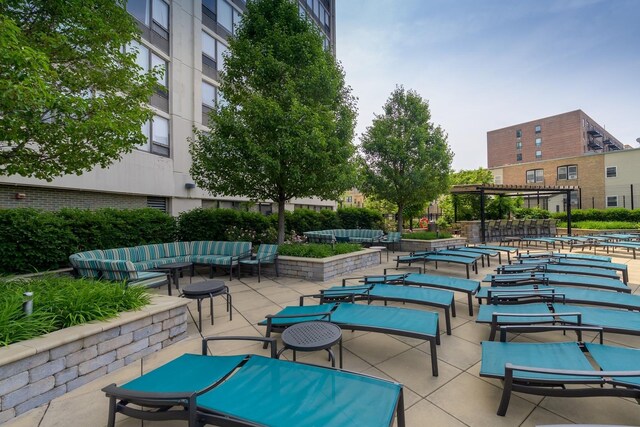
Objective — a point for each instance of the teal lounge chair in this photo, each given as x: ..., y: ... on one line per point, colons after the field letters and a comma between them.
x: 559, y: 279
x: 506, y: 249
x: 469, y: 287
x: 357, y: 317
x: 251, y: 390
x: 551, y: 267
x: 545, y: 369
x: 610, y: 320
x: 383, y: 292
x: 564, y: 293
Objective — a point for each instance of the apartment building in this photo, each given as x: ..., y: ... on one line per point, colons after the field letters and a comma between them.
x: 352, y: 199
x: 564, y: 135
x: 187, y: 38
x: 605, y: 180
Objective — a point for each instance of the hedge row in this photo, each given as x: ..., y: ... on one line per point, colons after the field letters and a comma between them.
x: 32, y: 240
x: 611, y: 214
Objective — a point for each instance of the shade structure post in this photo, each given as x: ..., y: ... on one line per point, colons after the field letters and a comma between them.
x: 482, y: 227
x: 455, y: 208
x: 569, y: 212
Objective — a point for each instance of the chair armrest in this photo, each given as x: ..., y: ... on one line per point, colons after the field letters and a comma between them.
x: 272, y: 342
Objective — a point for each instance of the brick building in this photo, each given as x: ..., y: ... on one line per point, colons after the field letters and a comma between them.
x: 608, y: 179
x: 560, y: 136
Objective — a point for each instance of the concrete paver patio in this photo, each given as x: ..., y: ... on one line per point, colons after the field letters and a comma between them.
x: 457, y: 397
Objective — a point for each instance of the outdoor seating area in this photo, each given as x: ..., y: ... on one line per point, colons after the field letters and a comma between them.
x: 345, y: 235
x: 416, y: 343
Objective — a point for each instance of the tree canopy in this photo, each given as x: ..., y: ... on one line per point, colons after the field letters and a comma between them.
x: 286, y: 128
x: 405, y: 159
x: 70, y: 96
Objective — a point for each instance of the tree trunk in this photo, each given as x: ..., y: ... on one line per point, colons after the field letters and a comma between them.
x: 281, y: 202
x: 400, y: 218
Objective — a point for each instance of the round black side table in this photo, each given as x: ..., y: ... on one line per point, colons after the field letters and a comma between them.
x: 208, y: 289
x: 313, y: 336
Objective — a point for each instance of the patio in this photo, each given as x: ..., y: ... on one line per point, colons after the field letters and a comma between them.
x: 457, y: 397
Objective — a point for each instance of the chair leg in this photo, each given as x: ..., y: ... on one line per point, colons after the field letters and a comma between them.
x: 258, y: 271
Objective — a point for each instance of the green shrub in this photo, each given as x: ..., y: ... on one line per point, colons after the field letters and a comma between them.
x: 32, y: 240
x: 219, y: 224
x: 531, y: 213
x: 426, y: 235
x: 351, y: 218
x: 301, y: 220
x: 317, y: 250
x: 61, y: 302
x: 611, y: 214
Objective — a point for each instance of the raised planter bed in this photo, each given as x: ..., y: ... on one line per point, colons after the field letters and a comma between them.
x: 36, y: 371
x: 413, y: 245
x: 326, y: 268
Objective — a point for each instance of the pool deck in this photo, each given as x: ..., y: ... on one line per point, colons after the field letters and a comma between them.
x: 457, y: 397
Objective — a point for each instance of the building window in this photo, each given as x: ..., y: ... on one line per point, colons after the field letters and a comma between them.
x: 208, y: 47
x: 349, y: 199
x: 225, y: 15
x: 518, y: 145
x: 208, y: 95
x: 538, y: 142
x: 538, y: 154
x: 535, y: 175
x: 157, y: 133
x: 612, y: 201
x: 538, y: 128
x: 222, y: 50
x: 519, y: 133
x: 568, y: 172
x: 147, y: 60
x: 160, y: 14
x: 518, y: 157
x: 612, y: 171
x: 497, y: 179
x: 139, y: 10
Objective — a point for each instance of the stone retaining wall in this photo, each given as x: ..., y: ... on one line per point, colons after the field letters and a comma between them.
x: 34, y: 372
x: 413, y: 245
x: 326, y: 268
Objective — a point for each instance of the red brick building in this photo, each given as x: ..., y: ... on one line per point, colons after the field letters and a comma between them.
x: 564, y: 135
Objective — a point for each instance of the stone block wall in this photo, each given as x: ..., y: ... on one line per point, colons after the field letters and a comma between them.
x: 36, y: 371
x: 413, y: 245
x: 325, y: 268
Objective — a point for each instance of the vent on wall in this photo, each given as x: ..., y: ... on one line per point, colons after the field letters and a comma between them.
x: 159, y: 203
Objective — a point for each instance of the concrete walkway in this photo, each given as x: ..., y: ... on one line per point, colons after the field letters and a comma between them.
x: 457, y: 397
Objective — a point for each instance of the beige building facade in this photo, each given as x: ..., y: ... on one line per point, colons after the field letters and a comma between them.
x: 605, y: 180
x: 188, y: 39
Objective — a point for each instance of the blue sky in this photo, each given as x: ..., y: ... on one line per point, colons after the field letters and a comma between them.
x: 487, y: 64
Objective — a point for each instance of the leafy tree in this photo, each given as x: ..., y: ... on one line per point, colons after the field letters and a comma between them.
x: 405, y: 159
x: 70, y: 96
x: 468, y: 205
x: 286, y: 129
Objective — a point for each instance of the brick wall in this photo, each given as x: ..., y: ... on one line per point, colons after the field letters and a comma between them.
x: 52, y: 199
x: 51, y: 372
x: 590, y: 177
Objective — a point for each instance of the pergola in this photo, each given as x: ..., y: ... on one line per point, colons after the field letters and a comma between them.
x: 510, y: 191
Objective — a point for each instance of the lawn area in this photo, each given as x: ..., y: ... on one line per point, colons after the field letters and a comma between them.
x: 602, y: 225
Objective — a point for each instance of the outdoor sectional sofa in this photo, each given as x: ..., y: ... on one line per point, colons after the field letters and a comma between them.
x: 346, y: 235
x: 132, y: 264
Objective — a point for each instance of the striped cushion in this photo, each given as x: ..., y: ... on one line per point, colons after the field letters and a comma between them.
x: 213, y: 259
x: 95, y: 254
x: 177, y: 249
x: 267, y: 253
x: 230, y: 248
x: 129, y: 254
x: 201, y: 248
x: 118, y: 270
x: 150, y: 252
x: 87, y: 267
x: 145, y: 265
